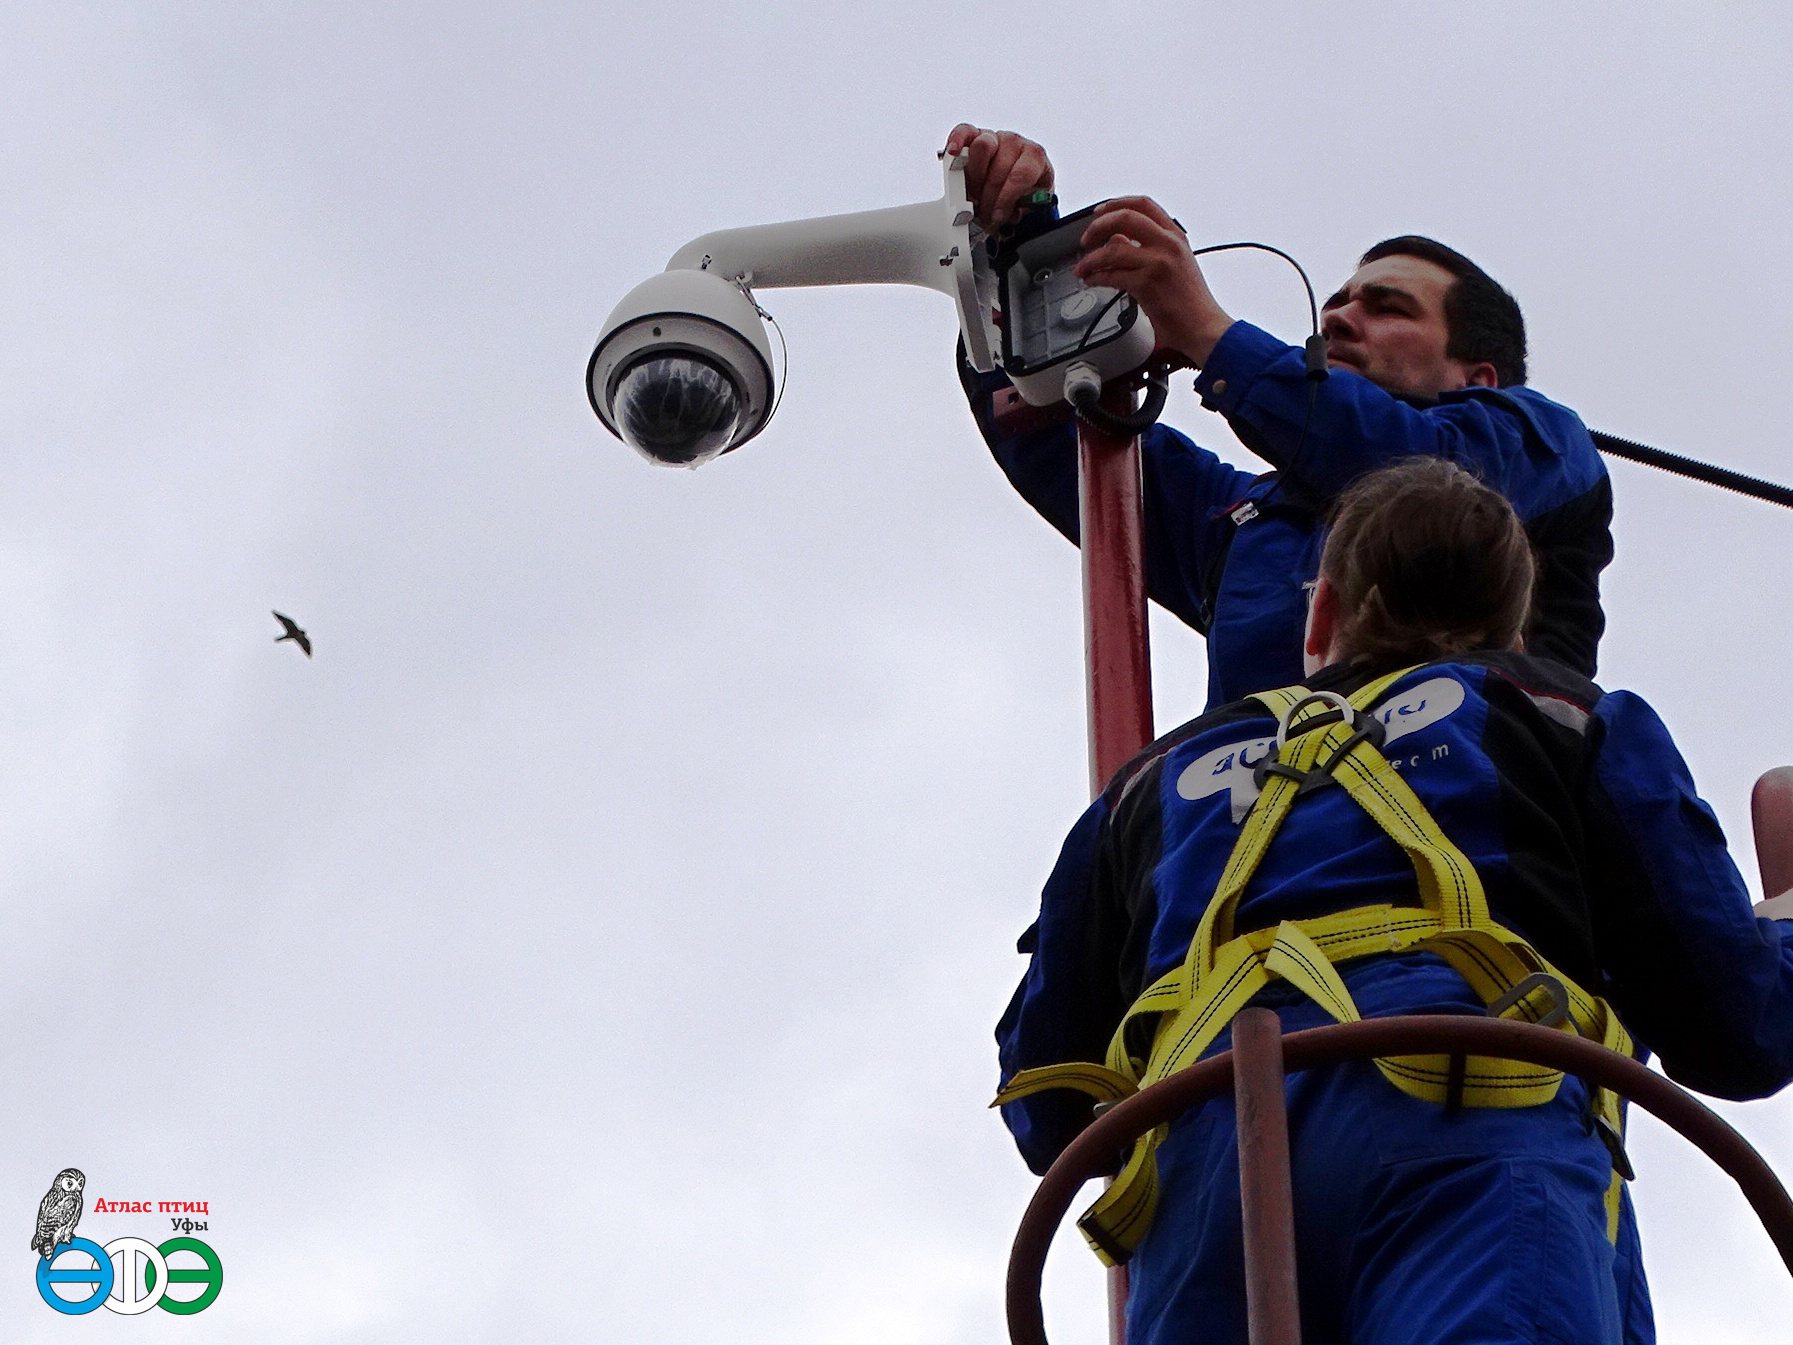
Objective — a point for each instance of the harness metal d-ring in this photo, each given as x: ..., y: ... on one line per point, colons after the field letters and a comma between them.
x: 1347, y: 711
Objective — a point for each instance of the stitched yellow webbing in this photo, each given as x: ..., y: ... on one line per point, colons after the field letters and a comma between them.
x: 1182, y: 1012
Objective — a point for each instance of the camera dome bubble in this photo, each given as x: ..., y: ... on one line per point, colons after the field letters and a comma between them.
x: 677, y: 408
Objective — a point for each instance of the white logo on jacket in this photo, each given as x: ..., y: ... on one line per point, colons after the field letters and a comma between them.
x: 1229, y: 767
x: 1234, y: 766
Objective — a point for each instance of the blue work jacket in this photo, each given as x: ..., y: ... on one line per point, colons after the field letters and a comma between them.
x: 1228, y: 551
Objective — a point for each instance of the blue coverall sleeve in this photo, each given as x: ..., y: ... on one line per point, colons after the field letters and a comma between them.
x: 1693, y: 972
x: 1187, y: 492
x: 1260, y: 385
x: 1069, y: 1002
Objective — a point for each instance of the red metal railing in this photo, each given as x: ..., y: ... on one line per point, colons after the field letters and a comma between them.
x: 1253, y: 1070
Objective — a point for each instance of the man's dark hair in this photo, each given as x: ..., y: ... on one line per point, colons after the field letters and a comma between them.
x: 1483, y: 320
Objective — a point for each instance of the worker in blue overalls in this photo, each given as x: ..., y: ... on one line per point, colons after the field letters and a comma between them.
x: 1427, y: 358
x: 1434, y: 822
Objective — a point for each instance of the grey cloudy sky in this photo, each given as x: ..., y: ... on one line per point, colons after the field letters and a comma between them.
x: 600, y: 938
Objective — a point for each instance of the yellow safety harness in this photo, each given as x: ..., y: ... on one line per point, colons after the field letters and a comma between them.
x: 1323, y: 737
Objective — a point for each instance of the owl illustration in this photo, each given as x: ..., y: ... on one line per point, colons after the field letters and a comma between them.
x: 59, y: 1212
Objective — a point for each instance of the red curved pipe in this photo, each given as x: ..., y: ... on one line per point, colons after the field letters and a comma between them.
x: 1092, y: 1152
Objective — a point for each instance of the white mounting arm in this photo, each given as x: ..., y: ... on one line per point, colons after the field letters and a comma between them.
x: 932, y: 244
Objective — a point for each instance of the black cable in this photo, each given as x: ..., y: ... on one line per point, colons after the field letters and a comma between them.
x: 1313, y: 306
x: 1102, y: 312
x: 784, y: 363
x: 1088, y: 405
x: 1313, y: 349
x: 1692, y: 468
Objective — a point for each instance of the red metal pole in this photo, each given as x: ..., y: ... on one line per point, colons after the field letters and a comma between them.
x: 1117, y: 654
x: 1267, y: 1204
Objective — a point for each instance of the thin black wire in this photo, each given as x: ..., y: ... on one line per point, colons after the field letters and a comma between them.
x: 784, y: 361
x: 1102, y: 312
x: 1313, y: 305
x: 1293, y: 469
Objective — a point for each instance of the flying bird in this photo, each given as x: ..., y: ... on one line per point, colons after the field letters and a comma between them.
x: 59, y: 1212
x: 293, y: 633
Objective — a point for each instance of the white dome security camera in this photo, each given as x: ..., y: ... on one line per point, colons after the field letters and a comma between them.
x: 683, y: 369
x: 683, y: 372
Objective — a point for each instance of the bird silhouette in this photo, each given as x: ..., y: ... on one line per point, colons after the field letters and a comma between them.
x: 293, y: 633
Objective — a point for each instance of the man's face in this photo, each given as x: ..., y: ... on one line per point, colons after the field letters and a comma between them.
x: 1387, y: 324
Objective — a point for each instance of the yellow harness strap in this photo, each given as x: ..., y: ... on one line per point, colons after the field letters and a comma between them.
x: 1179, y: 1015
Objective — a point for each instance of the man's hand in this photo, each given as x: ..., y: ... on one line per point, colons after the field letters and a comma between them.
x: 1132, y: 245
x: 1003, y: 168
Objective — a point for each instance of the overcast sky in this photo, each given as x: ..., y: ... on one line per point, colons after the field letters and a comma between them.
x: 600, y: 938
